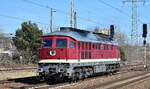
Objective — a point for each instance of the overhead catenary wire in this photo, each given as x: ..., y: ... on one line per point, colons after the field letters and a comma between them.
x: 112, y: 20
x: 63, y: 12
x: 117, y: 9
x: 22, y: 19
x: 44, y: 6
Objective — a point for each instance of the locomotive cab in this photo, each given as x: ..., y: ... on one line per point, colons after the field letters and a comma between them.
x: 55, y: 52
x: 59, y: 48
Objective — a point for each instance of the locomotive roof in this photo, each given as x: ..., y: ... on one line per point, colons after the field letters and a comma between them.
x: 83, y: 35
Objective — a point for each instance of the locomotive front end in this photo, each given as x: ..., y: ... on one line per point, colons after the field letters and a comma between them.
x: 53, y: 56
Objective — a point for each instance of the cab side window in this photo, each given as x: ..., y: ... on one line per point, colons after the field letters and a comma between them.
x: 61, y: 42
x: 78, y: 45
x: 72, y: 44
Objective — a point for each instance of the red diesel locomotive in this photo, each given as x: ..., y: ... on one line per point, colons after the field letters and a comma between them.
x: 75, y: 54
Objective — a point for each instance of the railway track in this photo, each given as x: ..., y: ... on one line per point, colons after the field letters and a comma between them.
x: 120, y: 82
x: 63, y: 85
x: 16, y: 69
x: 130, y: 67
x: 108, y: 85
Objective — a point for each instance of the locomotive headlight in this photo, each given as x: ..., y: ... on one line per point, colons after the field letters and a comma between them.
x: 52, y: 53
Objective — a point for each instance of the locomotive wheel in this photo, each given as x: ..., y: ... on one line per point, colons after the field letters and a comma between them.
x: 61, y: 78
x: 76, y: 75
x: 91, y: 72
x: 84, y: 73
x: 40, y: 77
x: 55, y: 78
x: 81, y: 74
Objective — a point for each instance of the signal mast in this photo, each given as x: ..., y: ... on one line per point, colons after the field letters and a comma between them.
x: 144, y: 44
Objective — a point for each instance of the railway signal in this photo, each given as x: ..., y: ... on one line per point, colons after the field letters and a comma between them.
x: 144, y: 30
x: 112, y: 31
x: 144, y: 43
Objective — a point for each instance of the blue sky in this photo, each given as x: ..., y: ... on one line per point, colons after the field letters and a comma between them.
x: 91, y: 13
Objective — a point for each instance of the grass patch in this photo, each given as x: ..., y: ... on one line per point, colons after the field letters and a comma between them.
x: 6, y: 75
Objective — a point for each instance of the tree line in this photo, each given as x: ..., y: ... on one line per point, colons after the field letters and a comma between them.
x: 28, y: 39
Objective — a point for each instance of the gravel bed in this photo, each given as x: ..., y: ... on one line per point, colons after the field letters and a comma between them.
x: 99, y: 80
x: 82, y: 84
x: 11, y: 85
x: 142, y: 84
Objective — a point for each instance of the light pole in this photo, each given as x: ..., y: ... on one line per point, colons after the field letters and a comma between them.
x: 51, y: 19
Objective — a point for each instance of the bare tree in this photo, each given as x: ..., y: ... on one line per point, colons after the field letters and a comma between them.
x: 121, y: 38
x: 132, y: 51
x: 1, y: 32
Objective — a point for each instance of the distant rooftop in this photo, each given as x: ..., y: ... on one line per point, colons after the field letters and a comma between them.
x: 7, y: 35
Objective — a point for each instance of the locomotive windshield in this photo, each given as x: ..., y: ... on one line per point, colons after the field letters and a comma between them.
x: 61, y: 42
x: 47, y: 42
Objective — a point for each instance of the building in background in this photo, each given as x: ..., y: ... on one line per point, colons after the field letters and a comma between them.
x: 103, y: 31
x: 7, y: 46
